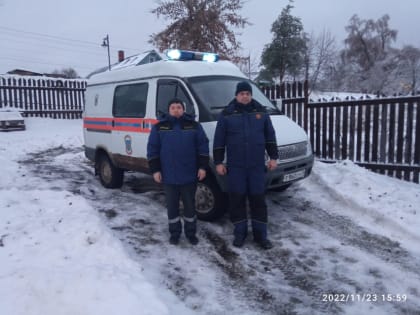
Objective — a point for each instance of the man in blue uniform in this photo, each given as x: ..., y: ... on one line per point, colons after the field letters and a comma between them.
x: 178, y: 156
x: 245, y: 130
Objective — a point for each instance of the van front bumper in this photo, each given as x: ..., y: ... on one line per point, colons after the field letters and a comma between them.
x: 285, y: 173
x: 289, y: 172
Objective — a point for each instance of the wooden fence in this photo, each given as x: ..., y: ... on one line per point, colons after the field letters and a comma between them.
x: 381, y: 134
x: 43, y: 97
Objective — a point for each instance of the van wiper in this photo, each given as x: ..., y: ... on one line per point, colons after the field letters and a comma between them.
x: 272, y: 110
x: 218, y: 107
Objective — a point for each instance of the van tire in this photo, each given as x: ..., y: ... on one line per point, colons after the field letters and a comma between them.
x: 109, y: 175
x: 210, y: 202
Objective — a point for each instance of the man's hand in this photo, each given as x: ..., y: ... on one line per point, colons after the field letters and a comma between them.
x: 221, y: 169
x: 201, y: 174
x: 157, y: 177
x: 272, y: 165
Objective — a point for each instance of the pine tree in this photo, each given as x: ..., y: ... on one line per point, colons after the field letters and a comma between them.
x: 285, y: 54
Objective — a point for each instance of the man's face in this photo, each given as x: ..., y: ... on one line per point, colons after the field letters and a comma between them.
x: 176, y: 110
x: 244, y: 97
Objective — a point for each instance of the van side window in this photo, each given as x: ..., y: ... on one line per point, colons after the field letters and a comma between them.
x: 168, y: 89
x: 130, y: 100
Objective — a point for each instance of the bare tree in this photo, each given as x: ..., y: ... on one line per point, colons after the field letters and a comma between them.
x: 320, y: 57
x: 368, y: 56
x: 409, y: 65
x: 368, y: 41
x: 248, y: 65
x: 203, y: 25
x: 68, y: 73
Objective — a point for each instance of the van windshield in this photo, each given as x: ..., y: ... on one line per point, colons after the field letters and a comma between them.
x: 214, y: 93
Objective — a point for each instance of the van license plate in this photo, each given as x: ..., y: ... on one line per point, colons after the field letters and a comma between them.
x: 293, y: 176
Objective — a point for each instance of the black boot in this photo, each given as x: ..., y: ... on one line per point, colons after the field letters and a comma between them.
x: 174, y: 239
x: 259, y: 220
x: 259, y: 229
x: 237, y: 210
x: 264, y: 243
x: 192, y: 239
x: 240, y: 232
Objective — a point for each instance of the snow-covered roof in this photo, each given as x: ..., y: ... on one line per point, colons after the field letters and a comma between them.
x: 138, y: 59
x: 135, y: 60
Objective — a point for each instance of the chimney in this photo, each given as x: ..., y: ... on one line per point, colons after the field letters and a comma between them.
x: 120, y: 55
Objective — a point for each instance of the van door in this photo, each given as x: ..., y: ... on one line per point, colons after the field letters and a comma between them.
x: 130, y: 128
x: 168, y: 89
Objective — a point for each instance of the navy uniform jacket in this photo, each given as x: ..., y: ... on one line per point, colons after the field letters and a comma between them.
x: 247, y: 132
x: 177, y: 147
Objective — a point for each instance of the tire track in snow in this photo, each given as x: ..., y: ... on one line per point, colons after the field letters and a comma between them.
x: 250, y: 275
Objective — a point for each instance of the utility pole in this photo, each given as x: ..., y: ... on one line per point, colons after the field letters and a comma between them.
x: 105, y: 43
x: 249, y: 66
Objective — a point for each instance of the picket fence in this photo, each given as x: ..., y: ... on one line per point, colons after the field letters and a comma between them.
x: 381, y: 134
x: 43, y: 97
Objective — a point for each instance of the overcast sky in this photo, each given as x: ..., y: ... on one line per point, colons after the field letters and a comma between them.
x: 44, y: 35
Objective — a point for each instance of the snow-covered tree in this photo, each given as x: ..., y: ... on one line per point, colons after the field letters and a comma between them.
x: 368, y: 56
x: 203, y: 25
x: 409, y: 68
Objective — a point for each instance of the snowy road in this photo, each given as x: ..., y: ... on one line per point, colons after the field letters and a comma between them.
x: 320, y: 252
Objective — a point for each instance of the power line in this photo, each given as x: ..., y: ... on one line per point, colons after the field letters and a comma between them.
x: 43, y: 46
x: 48, y: 63
x: 52, y: 37
x: 54, y: 47
x: 49, y: 36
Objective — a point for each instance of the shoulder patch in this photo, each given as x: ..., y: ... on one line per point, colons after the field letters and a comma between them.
x: 227, y: 112
x: 163, y: 126
x: 189, y: 125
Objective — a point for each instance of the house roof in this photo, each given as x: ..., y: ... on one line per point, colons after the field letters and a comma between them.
x: 135, y: 60
x: 24, y: 72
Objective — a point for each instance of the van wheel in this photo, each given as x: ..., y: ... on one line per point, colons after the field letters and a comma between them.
x: 210, y: 202
x: 110, y: 175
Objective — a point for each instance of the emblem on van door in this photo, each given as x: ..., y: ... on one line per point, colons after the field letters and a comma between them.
x: 127, y: 141
x: 96, y: 99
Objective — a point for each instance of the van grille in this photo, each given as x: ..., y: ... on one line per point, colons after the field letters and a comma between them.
x: 292, y: 151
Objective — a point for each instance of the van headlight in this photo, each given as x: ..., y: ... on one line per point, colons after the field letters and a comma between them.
x: 309, y: 150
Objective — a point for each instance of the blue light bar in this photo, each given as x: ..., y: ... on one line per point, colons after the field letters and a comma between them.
x: 176, y: 54
x: 209, y: 57
x: 173, y: 54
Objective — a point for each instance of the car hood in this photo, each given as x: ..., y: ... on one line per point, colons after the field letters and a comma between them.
x: 287, y: 131
x: 10, y: 115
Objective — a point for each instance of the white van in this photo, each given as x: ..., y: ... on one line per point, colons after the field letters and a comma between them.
x: 121, y: 106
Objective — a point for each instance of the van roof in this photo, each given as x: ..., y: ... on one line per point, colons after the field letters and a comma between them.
x: 165, y: 68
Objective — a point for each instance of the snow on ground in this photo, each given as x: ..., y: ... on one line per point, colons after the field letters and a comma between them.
x: 56, y: 256
x: 59, y: 256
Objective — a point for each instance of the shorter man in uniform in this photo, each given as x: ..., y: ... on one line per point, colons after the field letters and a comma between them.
x: 178, y: 155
